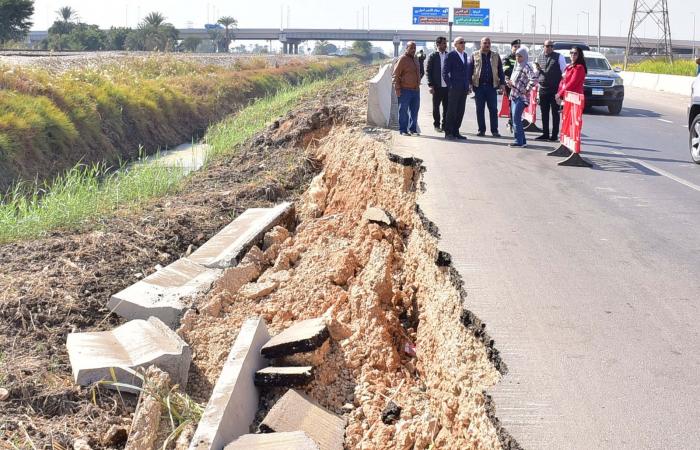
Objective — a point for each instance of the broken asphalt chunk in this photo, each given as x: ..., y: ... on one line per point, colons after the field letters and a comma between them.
x: 304, y: 336
x: 284, y: 376
x: 391, y: 413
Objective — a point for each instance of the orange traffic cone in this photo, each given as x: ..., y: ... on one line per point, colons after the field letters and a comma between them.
x: 505, y: 108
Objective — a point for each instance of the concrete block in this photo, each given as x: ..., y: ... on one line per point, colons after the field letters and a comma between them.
x: 166, y: 294
x: 304, y: 336
x: 234, y: 401
x: 674, y: 84
x: 228, y: 247
x: 284, y: 376
x: 379, y: 98
x: 295, y: 440
x: 297, y: 412
x: 136, y: 344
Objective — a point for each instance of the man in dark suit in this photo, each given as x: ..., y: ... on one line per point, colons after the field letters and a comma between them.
x: 457, y: 73
x: 438, y: 87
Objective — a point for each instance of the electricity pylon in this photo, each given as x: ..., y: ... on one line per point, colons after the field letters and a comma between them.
x: 657, y: 12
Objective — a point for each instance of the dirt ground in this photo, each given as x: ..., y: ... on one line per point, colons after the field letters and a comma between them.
x: 60, y: 284
x: 382, y: 291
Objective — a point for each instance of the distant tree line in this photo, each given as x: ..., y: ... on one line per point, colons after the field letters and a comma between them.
x: 68, y: 32
x: 15, y: 20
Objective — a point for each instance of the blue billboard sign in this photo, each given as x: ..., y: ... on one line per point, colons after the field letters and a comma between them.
x: 430, y: 16
x: 472, y: 17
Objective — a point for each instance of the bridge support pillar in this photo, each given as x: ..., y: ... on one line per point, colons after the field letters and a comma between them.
x: 295, y: 47
x: 285, y: 48
x: 396, y: 49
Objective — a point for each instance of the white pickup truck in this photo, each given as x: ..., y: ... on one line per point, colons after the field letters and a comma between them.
x: 694, y: 121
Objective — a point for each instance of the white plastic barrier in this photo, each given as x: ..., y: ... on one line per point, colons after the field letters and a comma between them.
x: 379, y: 98
x: 674, y: 84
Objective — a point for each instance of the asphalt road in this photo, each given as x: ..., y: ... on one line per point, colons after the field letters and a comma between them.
x: 588, y: 279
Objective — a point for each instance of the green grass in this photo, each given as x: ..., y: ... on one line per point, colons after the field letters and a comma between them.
x: 82, y: 194
x: 49, y: 121
x: 86, y: 193
x: 684, y: 67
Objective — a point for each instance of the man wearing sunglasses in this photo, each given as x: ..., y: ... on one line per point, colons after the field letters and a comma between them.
x: 457, y: 73
x: 488, y: 79
x: 551, y: 66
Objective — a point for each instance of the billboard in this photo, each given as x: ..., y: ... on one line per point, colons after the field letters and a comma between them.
x: 471, y: 4
x: 430, y: 16
x: 472, y: 17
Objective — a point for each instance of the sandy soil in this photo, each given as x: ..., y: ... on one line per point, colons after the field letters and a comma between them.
x: 380, y: 288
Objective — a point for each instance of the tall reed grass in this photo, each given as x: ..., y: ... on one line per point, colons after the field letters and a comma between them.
x: 680, y: 67
x: 49, y: 121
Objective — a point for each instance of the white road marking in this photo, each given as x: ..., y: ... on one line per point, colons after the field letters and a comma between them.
x: 666, y: 174
x: 664, y: 121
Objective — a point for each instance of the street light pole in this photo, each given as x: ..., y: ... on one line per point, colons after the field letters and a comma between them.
x: 534, y: 25
x: 551, y: 13
x: 694, y: 54
x: 600, y: 21
x: 577, y: 17
x: 588, y: 33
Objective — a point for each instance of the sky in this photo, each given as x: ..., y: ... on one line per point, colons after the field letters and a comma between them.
x: 506, y: 15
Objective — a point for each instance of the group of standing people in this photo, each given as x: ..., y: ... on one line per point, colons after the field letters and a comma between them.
x: 453, y: 75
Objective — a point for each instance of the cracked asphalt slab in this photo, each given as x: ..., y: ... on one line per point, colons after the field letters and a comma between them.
x: 586, y: 278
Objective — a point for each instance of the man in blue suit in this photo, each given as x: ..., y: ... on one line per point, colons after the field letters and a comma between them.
x: 457, y: 74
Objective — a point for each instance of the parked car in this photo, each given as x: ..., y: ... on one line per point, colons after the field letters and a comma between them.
x: 694, y: 121
x: 603, y: 85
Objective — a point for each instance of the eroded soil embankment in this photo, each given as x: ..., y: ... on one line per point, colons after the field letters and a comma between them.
x: 52, y: 286
x: 382, y: 289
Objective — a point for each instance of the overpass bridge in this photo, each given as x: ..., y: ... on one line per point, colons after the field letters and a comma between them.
x: 292, y: 37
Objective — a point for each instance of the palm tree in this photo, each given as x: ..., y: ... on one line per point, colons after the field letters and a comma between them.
x: 154, y: 19
x: 156, y: 33
x: 227, y: 22
x: 67, y: 13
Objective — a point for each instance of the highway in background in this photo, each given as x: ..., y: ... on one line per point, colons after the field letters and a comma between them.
x: 587, y: 279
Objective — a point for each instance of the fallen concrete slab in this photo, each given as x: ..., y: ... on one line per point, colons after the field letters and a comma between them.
x: 296, y: 440
x: 297, y: 412
x: 136, y: 344
x: 166, y: 294
x: 293, y: 376
x: 234, y: 401
x: 227, y: 248
x: 304, y: 336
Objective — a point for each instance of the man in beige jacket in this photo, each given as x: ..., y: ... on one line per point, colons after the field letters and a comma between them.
x: 406, y: 78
